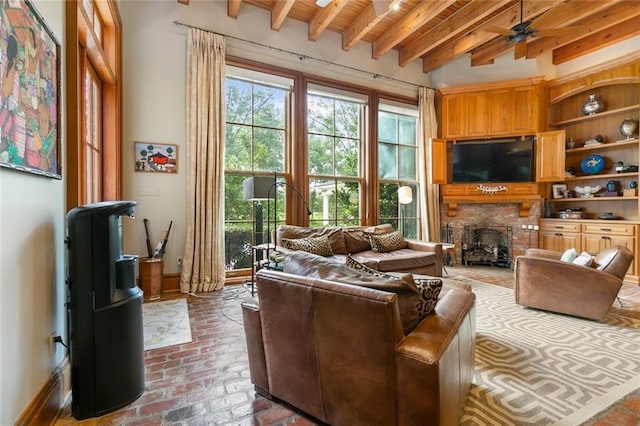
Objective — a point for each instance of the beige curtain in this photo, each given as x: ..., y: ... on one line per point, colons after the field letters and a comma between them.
x: 430, y: 203
x: 203, y: 265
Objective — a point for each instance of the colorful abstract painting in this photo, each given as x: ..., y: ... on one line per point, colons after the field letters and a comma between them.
x: 29, y: 92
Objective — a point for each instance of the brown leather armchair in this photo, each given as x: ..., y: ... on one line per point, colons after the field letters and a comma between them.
x: 545, y: 282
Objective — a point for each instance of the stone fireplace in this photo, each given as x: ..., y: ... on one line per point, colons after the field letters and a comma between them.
x: 523, y: 230
x: 487, y: 245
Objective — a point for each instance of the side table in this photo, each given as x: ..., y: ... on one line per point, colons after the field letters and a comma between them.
x: 259, y: 260
x: 450, y: 250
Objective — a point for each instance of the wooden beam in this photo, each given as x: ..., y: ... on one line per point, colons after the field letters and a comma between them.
x: 233, y: 7
x: 456, y: 24
x: 477, y: 37
x: 416, y: 18
x: 323, y: 18
x: 602, y: 20
x: 368, y: 19
x: 279, y: 13
x: 485, y: 54
x: 596, y: 41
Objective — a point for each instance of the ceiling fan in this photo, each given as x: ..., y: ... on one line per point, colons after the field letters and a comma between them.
x: 519, y: 33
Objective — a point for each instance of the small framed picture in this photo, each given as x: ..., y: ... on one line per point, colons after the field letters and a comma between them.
x: 559, y: 190
x: 155, y: 157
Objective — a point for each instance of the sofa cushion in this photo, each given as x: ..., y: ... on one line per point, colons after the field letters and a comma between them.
x: 352, y: 263
x: 356, y: 238
x: 398, y: 260
x: 429, y: 289
x: 387, y: 242
x: 333, y: 233
x: 314, y: 266
x: 315, y: 245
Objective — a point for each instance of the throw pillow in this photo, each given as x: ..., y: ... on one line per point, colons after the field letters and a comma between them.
x: 352, y: 263
x: 387, y: 242
x: 429, y: 289
x: 315, y: 245
x: 585, y: 259
x: 569, y: 255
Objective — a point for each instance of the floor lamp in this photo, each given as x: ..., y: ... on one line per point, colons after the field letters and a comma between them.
x: 256, y: 189
x: 405, y: 196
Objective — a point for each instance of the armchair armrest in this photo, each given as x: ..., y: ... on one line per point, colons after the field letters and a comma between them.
x: 547, y: 254
x: 564, y: 287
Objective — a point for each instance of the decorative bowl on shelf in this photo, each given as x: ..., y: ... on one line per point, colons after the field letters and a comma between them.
x: 591, y: 105
x: 609, y: 216
x: 587, y: 191
x: 592, y: 164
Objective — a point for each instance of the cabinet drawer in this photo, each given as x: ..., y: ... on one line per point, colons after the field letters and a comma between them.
x: 560, y: 226
x: 524, y: 188
x: 614, y: 228
x: 454, y: 190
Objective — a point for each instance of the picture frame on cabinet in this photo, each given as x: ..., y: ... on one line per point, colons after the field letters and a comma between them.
x: 558, y: 190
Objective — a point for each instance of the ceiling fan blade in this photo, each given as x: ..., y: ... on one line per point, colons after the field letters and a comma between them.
x: 550, y: 32
x: 498, y: 30
x: 521, y: 50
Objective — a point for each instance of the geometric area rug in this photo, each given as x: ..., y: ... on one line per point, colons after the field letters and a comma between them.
x: 165, y: 323
x: 540, y: 368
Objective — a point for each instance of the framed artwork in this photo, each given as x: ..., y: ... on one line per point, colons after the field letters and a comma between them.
x: 155, y: 157
x: 558, y: 190
x: 29, y: 91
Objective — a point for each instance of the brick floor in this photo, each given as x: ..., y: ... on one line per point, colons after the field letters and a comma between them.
x: 206, y: 382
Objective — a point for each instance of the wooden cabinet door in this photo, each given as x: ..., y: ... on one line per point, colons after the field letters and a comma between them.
x: 595, y: 243
x: 558, y: 241
x: 550, y: 156
x: 438, y: 151
x: 478, y: 114
x: 500, y: 112
x: 526, y: 110
x: 454, y: 116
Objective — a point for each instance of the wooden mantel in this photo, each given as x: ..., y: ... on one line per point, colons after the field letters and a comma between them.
x: 478, y: 193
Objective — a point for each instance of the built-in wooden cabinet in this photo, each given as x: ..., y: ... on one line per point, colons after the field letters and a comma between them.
x: 509, y: 108
x: 591, y: 236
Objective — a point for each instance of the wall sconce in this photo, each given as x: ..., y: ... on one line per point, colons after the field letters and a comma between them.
x: 405, y: 196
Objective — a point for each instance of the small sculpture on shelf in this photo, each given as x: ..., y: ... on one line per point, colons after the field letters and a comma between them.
x: 587, y: 191
x: 596, y: 140
x: 591, y: 105
x: 570, y: 172
x: 622, y: 168
x: 628, y: 128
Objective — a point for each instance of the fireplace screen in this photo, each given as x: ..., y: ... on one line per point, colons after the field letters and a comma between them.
x: 489, y: 245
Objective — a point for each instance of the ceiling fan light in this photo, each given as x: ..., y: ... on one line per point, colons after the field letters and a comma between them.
x: 323, y: 3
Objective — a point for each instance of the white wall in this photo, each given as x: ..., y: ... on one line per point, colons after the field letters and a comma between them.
x: 32, y: 289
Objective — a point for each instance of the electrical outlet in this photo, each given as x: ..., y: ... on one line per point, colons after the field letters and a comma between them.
x: 179, y: 261
x: 52, y: 344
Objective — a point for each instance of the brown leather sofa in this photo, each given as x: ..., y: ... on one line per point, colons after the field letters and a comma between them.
x: 338, y: 352
x: 420, y: 257
x: 545, y: 282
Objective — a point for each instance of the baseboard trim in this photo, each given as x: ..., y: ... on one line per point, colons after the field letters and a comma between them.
x: 45, y: 408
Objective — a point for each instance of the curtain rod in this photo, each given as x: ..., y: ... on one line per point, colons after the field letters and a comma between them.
x: 302, y: 56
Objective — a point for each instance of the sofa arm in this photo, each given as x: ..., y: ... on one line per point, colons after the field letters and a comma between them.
x: 564, y: 287
x: 429, y: 246
x: 255, y: 347
x: 435, y: 363
x: 547, y: 254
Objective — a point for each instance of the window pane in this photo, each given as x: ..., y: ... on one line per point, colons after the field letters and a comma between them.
x: 320, y: 155
x: 348, y: 207
x: 269, y: 149
x: 407, y: 163
x: 387, y: 127
x: 347, y: 157
x: 388, y: 200
x: 237, y: 147
x: 320, y: 115
x: 268, y: 107
x: 387, y: 161
x: 407, y: 130
x: 347, y: 119
x: 238, y: 101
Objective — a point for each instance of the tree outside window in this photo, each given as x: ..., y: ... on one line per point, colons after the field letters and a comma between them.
x: 334, y: 148
x: 397, y: 166
x: 255, y: 144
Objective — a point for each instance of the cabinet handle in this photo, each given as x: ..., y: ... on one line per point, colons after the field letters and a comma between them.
x: 605, y: 229
x: 605, y: 237
x: 559, y: 227
x: 558, y: 234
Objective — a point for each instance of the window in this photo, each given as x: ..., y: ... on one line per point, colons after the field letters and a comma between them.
x: 335, y: 142
x: 397, y: 166
x: 92, y: 135
x: 257, y: 131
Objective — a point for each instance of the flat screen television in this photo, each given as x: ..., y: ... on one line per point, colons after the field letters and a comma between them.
x: 494, y: 161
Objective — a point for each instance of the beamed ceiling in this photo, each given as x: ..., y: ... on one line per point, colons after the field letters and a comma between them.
x: 438, y: 31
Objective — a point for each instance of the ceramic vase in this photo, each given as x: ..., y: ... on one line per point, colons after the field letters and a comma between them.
x: 591, y: 106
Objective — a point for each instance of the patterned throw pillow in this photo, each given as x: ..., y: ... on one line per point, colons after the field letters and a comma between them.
x: 429, y: 289
x: 387, y: 242
x: 316, y: 245
x: 352, y: 263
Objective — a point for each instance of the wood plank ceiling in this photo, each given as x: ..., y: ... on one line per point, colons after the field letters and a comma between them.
x: 438, y: 31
